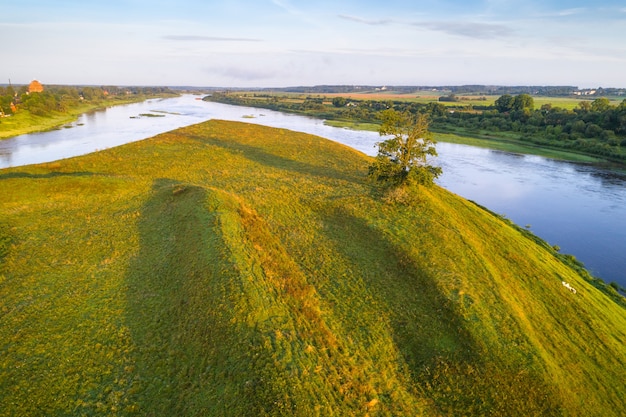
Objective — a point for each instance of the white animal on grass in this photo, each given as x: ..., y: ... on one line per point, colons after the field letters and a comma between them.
x: 569, y: 287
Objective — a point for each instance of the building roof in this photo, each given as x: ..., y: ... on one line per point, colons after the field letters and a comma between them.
x: 35, y: 87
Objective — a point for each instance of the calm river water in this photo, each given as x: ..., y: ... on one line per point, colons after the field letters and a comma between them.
x: 580, y: 208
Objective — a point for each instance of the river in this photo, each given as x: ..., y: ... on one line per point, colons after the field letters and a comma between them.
x: 580, y: 208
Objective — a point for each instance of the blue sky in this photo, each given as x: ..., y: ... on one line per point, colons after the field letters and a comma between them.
x: 278, y: 43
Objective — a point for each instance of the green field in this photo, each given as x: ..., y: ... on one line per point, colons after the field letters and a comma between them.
x: 422, y: 97
x: 227, y: 269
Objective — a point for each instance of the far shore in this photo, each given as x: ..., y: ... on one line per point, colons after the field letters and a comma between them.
x: 23, y: 122
x: 483, y: 141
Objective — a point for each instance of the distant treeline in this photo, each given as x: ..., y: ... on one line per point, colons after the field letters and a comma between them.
x: 550, y: 91
x: 63, y: 98
x: 595, y: 127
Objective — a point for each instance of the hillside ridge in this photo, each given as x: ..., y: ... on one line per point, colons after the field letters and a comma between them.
x: 233, y: 269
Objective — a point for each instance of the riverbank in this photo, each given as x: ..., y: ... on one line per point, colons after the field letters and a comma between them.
x: 24, y: 122
x: 496, y: 131
x: 487, y: 142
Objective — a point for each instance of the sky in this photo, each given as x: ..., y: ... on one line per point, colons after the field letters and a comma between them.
x: 281, y: 43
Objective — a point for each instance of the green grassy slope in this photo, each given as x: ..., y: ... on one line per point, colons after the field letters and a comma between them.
x: 233, y: 269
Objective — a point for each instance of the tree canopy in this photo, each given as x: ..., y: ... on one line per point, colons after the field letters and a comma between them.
x: 504, y: 103
x: 402, y: 158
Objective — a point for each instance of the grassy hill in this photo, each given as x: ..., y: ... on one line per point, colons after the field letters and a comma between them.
x: 233, y: 269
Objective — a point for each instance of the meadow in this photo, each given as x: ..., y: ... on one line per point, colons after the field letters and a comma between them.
x: 425, y: 97
x: 421, y: 97
x: 228, y: 269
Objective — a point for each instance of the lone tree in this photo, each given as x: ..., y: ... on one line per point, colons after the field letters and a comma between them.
x: 402, y: 159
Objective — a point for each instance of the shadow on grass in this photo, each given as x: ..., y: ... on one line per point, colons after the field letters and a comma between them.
x: 11, y: 175
x: 446, y: 362
x: 425, y: 327
x: 271, y: 160
x: 194, y: 352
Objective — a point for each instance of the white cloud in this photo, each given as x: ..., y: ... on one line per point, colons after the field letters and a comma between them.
x: 366, y: 21
x: 469, y: 29
x: 572, y: 12
x: 286, y: 5
x: 194, y: 38
x: 242, y: 72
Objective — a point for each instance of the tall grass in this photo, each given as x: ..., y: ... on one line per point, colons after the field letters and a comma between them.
x: 233, y: 269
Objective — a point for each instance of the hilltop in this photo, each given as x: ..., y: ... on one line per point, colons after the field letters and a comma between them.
x: 234, y: 269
